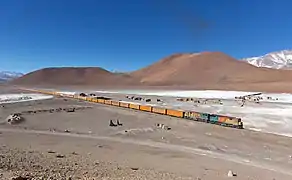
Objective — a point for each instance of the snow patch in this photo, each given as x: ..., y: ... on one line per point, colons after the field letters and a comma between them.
x: 14, y: 98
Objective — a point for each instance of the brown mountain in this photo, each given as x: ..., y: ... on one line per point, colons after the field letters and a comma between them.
x: 209, y: 70
x: 74, y: 76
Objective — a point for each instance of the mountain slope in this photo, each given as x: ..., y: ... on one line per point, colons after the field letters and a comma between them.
x: 8, y: 75
x: 274, y: 60
x: 74, y: 76
x: 208, y: 69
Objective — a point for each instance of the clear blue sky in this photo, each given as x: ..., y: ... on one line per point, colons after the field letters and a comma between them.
x: 125, y: 35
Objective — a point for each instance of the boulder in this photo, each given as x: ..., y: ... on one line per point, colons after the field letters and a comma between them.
x: 14, y: 119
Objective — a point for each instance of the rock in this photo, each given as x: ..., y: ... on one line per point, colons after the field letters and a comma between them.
x: 20, y: 178
x: 112, y: 124
x: 118, y: 123
x: 60, y: 156
x: 14, y: 119
x: 231, y: 174
x: 51, y: 152
x: 134, y: 169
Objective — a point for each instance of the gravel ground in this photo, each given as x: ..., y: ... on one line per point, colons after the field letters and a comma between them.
x: 51, y: 165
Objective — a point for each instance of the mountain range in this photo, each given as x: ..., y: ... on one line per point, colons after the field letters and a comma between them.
x: 9, y: 75
x: 274, y: 60
x: 206, y: 70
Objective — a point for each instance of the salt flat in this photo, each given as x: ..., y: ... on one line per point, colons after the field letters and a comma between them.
x: 272, y: 115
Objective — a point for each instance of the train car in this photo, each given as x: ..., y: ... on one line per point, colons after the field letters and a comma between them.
x: 89, y: 99
x: 115, y: 103
x: 108, y: 102
x: 175, y: 113
x: 230, y: 122
x: 124, y: 104
x: 146, y: 108
x: 94, y: 100
x: 159, y: 110
x: 81, y: 98
x: 192, y: 115
x: 134, y: 106
x: 102, y: 101
x: 204, y: 117
x: 70, y: 96
x: 213, y: 118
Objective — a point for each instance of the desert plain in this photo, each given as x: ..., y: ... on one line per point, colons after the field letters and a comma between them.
x: 82, y: 145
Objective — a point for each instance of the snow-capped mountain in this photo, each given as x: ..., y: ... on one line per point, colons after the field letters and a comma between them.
x: 8, y: 75
x: 274, y: 60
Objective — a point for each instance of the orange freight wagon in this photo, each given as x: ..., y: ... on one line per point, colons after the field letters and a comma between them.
x: 175, y: 113
x: 158, y: 110
x: 145, y: 108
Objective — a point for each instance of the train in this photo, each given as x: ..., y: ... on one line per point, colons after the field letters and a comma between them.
x: 221, y: 120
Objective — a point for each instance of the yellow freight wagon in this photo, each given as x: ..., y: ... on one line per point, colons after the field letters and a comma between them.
x: 145, y: 108
x: 134, y: 106
x: 89, y: 99
x: 100, y: 101
x: 115, y: 103
x: 175, y: 113
x: 109, y: 102
x: 159, y: 110
x: 192, y: 115
x: 123, y: 104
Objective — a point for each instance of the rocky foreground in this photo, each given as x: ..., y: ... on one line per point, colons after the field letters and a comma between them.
x: 20, y: 164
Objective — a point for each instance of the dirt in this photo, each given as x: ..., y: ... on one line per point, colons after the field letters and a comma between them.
x: 82, y: 145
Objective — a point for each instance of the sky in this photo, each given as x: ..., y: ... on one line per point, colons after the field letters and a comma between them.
x: 125, y: 35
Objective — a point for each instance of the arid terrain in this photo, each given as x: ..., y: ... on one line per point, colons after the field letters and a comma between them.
x: 81, y: 144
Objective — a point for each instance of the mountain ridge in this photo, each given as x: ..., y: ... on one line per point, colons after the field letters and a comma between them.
x: 274, y: 60
x: 6, y: 76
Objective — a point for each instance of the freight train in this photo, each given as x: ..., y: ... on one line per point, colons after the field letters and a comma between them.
x: 222, y: 120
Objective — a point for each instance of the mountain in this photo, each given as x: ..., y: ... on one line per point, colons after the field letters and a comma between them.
x: 198, y: 68
x: 73, y: 76
x: 212, y: 70
x: 8, y: 75
x: 274, y: 60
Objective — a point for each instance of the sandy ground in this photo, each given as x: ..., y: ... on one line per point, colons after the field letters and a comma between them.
x: 81, y: 145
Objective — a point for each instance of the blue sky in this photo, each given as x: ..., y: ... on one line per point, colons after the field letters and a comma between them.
x: 125, y: 35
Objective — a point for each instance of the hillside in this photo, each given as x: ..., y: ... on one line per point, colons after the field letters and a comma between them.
x: 74, y: 76
x: 208, y: 69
